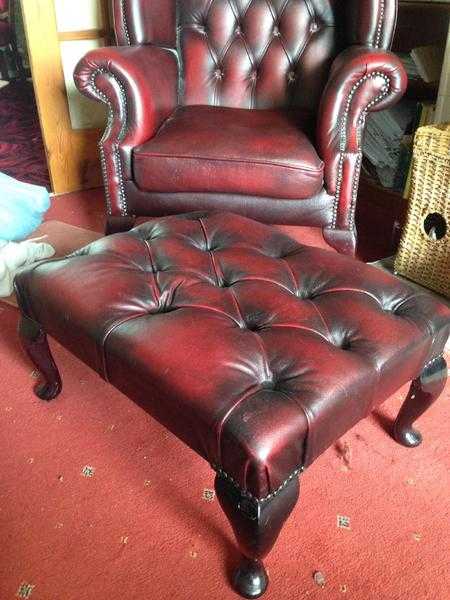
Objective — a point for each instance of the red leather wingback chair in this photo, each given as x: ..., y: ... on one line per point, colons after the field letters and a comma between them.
x: 253, y: 106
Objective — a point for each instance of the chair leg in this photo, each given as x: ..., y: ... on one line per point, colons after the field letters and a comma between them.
x: 119, y: 224
x: 423, y: 392
x: 34, y: 342
x: 256, y: 525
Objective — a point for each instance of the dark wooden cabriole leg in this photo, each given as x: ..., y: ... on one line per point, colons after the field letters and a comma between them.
x: 119, y: 224
x: 423, y: 392
x: 256, y: 525
x: 34, y: 342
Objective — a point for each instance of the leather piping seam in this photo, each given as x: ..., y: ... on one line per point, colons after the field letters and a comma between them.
x: 221, y: 419
x: 245, y: 493
x: 124, y: 22
x: 291, y: 274
x: 343, y: 143
x: 108, y: 332
x: 154, y: 284
x: 115, y: 146
x: 322, y: 318
x: 218, y: 278
x: 317, y: 171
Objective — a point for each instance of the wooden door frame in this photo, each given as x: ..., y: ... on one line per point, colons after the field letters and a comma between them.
x: 72, y: 155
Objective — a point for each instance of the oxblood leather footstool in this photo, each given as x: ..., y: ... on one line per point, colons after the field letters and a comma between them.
x: 254, y: 350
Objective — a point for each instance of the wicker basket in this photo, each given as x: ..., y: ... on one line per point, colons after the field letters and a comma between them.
x: 424, y: 252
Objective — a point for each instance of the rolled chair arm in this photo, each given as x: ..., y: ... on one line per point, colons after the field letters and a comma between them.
x: 139, y: 84
x: 361, y: 80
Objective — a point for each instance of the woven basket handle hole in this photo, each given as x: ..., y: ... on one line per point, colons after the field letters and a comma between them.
x: 435, y: 226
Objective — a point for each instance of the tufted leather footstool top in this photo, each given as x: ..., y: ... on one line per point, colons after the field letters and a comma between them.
x: 256, y: 351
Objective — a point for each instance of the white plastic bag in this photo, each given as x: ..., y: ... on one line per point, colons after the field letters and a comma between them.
x: 22, y: 208
x: 13, y: 256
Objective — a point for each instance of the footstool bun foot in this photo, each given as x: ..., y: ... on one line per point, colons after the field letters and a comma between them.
x: 34, y: 342
x: 48, y: 391
x: 423, y: 392
x: 256, y: 525
x: 408, y: 437
x: 250, y: 579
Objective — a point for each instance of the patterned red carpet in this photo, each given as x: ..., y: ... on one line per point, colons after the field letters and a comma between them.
x: 22, y: 154
x: 97, y: 501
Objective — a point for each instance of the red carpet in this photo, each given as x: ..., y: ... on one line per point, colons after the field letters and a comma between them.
x: 22, y: 154
x: 97, y: 501
x: 82, y: 209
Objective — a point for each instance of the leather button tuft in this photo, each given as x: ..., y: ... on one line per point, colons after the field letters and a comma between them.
x: 276, y: 32
x: 291, y: 76
x: 314, y: 27
x: 303, y: 295
x: 166, y: 309
x: 238, y: 30
x: 393, y: 310
x: 218, y: 73
x: 268, y: 385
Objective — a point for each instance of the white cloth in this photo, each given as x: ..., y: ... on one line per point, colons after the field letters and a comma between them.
x: 15, y: 255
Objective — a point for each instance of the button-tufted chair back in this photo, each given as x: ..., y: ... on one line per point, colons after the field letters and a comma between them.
x: 257, y: 53
x: 254, y: 53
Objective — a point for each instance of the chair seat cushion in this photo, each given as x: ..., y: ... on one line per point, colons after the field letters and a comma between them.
x: 257, y: 351
x: 228, y: 150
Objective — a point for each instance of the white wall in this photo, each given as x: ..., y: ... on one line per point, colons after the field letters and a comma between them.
x: 79, y: 15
